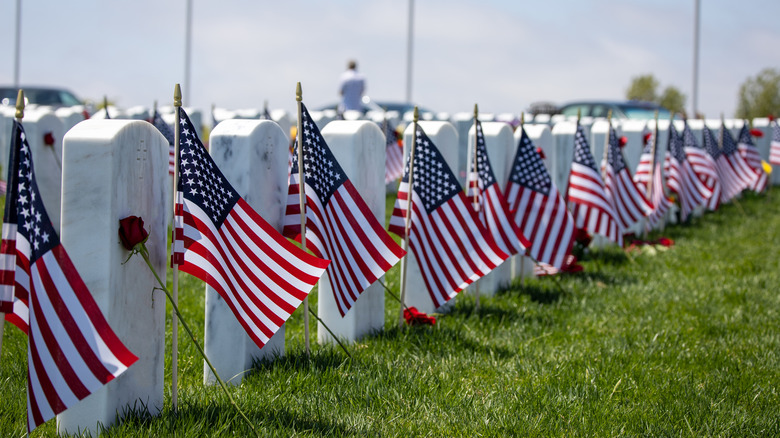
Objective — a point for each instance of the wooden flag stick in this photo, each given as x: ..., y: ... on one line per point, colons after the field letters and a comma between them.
x: 522, y: 258
x: 302, y: 203
x: 475, y: 201
x: 19, y: 116
x: 175, y: 285
x: 408, y: 218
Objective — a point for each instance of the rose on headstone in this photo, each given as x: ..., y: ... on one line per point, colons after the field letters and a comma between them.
x: 132, y: 232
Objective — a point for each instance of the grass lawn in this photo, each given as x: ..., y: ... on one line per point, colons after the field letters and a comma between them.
x: 682, y: 342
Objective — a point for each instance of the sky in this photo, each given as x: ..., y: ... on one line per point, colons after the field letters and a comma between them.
x: 500, y: 54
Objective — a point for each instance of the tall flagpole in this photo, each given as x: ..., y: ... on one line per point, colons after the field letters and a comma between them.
x: 19, y: 116
x: 409, y: 43
x: 475, y: 200
x: 408, y: 218
x: 175, y: 286
x: 696, y: 20
x: 18, y: 43
x: 302, y: 203
x: 188, y: 49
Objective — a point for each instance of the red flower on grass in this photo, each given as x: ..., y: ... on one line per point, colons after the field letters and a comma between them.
x: 415, y: 317
x: 132, y: 232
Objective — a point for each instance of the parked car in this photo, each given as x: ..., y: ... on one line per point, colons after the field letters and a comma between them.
x: 50, y: 96
x: 380, y: 105
x: 629, y: 109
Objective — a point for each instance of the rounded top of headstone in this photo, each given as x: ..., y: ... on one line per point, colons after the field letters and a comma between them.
x: 245, y: 127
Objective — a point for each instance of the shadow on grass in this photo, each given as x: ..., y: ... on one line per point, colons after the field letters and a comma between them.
x: 321, y: 358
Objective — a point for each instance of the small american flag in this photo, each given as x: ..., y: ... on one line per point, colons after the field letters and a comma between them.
x: 394, y: 161
x: 452, y: 247
x: 732, y: 183
x: 339, y: 225
x: 650, y: 171
x: 591, y: 208
x: 682, y: 180
x: 167, y: 132
x: 220, y: 239
x: 774, y: 146
x: 735, y: 159
x: 487, y: 199
x: 749, y: 152
x: 71, y: 350
x: 629, y: 202
x: 703, y: 165
x: 537, y: 207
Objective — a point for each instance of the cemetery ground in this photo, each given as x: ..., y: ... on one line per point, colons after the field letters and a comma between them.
x: 681, y: 342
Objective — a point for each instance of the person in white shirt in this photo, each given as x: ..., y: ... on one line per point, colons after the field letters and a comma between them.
x: 352, y: 87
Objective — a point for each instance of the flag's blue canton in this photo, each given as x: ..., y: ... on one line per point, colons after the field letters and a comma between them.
x: 614, y: 156
x: 744, y: 135
x: 434, y: 182
x: 582, y: 153
x: 775, y: 132
x: 321, y: 170
x: 675, y: 144
x: 391, y: 136
x: 33, y: 222
x: 200, y: 181
x: 486, y: 175
x: 528, y: 169
x: 729, y: 146
x: 163, y: 127
x: 689, y: 141
x: 709, y: 144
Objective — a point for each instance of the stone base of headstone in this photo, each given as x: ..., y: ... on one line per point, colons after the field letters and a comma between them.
x: 113, y: 169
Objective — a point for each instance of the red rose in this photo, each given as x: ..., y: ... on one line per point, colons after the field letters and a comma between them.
x: 622, y: 141
x: 647, y: 137
x: 48, y: 139
x: 771, y: 118
x: 582, y: 237
x: 415, y: 317
x: 756, y: 133
x: 541, y: 153
x: 665, y: 241
x: 132, y: 232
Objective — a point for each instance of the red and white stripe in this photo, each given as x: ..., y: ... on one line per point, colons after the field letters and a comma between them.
x: 345, y: 232
x: 14, y: 282
x: 545, y: 220
x: 261, y: 275
x: 452, y: 247
x: 774, y: 145
x: 591, y: 208
x: 682, y: 180
x: 657, y: 197
x: 705, y: 169
x: 394, y: 162
x: 749, y: 152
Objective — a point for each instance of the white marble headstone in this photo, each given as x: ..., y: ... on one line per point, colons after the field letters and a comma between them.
x: 44, y: 133
x: 359, y: 148
x: 252, y: 154
x: 445, y: 137
x: 113, y: 169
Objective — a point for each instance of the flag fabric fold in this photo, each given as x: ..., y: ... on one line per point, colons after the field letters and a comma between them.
x: 629, y: 202
x: 452, y: 247
x: 220, y: 239
x: 681, y: 179
x: 537, y: 208
x: 489, y: 203
x: 734, y: 177
x: 748, y: 150
x: 167, y: 132
x: 591, y: 208
x: 72, y: 351
x: 394, y: 160
x: 703, y: 166
x: 339, y: 225
x: 650, y: 172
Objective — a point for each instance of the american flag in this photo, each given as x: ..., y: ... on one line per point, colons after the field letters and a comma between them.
x: 749, y: 152
x: 591, y: 207
x: 394, y: 161
x: 452, y: 247
x: 537, y: 207
x: 629, y: 202
x: 703, y: 165
x: 339, y: 225
x: 71, y: 350
x: 220, y: 239
x: 486, y: 198
x: 774, y: 146
x: 733, y: 178
x: 167, y: 132
x: 650, y: 171
x: 682, y: 180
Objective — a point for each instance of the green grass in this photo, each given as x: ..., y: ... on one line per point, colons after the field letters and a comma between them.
x: 684, y: 342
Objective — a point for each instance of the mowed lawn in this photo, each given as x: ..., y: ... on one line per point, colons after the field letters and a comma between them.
x: 681, y: 342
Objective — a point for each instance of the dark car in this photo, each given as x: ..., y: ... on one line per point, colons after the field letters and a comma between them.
x: 55, y: 97
x: 630, y: 109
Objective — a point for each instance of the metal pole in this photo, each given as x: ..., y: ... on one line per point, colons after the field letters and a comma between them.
x: 302, y: 204
x: 409, y: 53
x: 188, y: 51
x: 696, y: 19
x: 18, y: 42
